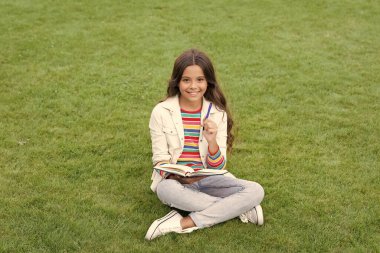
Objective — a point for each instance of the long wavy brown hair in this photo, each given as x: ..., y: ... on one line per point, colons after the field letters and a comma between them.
x: 213, y: 92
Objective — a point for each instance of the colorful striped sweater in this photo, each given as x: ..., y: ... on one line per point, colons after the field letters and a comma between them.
x: 190, y: 155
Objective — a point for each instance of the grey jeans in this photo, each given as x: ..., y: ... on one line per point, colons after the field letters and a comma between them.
x: 213, y: 199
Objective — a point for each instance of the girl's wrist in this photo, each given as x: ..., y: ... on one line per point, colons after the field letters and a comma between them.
x: 213, y: 147
x: 213, y: 152
x: 212, y: 143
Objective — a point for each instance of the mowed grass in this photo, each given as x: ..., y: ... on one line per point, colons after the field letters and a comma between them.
x: 78, y: 80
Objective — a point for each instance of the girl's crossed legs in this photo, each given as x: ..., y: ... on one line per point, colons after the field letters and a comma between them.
x: 213, y: 199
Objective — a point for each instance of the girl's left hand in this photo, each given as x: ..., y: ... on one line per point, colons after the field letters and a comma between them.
x: 210, y: 130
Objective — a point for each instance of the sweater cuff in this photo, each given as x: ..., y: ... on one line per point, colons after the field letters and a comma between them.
x: 211, y: 154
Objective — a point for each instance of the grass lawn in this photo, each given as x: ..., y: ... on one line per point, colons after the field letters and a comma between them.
x: 78, y: 81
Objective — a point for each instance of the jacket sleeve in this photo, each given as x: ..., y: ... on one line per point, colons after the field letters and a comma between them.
x: 218, y: 160
x: 221, y: 137
x: 159, y: 143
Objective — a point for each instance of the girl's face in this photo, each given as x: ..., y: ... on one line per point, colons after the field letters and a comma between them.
x: 192, y: 86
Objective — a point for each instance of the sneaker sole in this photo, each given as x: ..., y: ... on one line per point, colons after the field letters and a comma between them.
x: 152, y: 229
x: 260, y: 215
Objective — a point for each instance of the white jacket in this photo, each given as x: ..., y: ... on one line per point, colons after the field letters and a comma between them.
x: 167, y: 134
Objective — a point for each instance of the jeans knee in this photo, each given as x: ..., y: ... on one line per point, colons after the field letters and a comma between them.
x: 162, y: 188
x: 167, y: 190
x: 257, y: 193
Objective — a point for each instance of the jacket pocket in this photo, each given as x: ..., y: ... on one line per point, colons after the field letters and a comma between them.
x: 172, y: 139
x: 169, y: 131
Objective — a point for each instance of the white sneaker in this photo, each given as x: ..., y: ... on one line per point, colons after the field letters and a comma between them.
x: 169, y: 223
x: 255, y: 216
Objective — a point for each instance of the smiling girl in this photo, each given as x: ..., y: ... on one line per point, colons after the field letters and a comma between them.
x: 181, y: 134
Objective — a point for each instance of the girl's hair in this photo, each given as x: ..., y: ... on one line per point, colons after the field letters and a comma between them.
x: 213, y: 92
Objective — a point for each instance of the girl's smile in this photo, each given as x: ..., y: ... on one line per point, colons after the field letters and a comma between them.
x: 192, y: 87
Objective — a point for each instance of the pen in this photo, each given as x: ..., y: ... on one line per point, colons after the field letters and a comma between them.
x: 208, y: 113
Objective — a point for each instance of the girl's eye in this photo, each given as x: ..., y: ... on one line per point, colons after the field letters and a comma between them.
x: 185, y: 80
x: 201, y: 79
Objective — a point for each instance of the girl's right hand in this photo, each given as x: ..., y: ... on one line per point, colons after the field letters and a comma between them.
x: 210, y: 130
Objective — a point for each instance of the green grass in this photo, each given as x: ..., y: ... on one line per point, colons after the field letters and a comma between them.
x: 78, y: 80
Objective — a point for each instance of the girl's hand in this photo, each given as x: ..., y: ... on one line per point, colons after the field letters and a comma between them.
x: 185, y: 180
x: 210, y: 130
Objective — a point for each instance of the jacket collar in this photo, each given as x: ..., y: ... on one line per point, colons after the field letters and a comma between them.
x: 172, y: 104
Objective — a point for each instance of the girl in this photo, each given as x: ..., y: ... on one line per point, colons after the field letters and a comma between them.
x: 182, y: 134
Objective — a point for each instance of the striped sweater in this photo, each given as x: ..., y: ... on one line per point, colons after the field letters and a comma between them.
x: 190, y: 155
